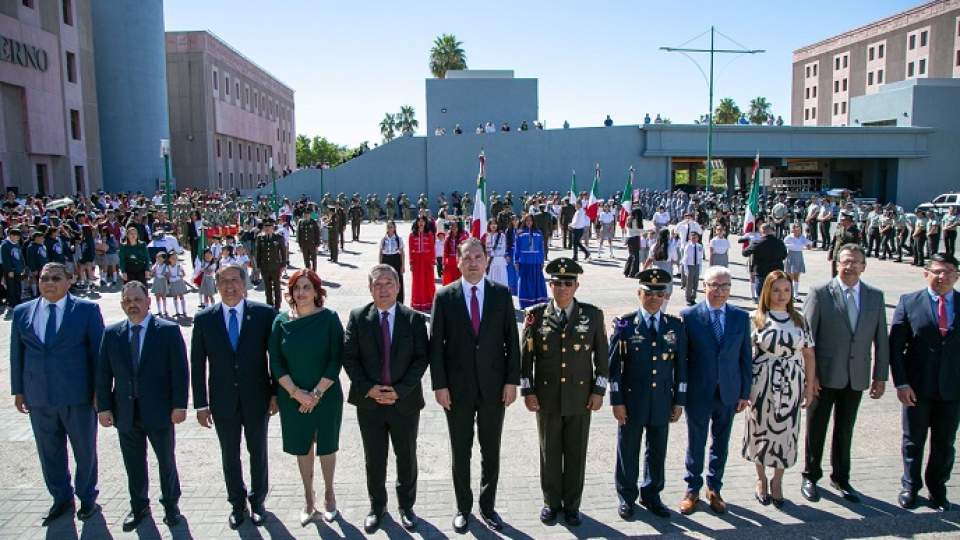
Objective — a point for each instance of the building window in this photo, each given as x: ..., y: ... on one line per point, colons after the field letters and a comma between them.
x: 836, y: 63
x: 813, y: 113
x: 75, y: 124
x: 912, y: 42
x: 843, y: 107
x: 870, y: 53
x: 870, y: 78
x: 836, y: 108
x: 68, y: 12
x: 879, y: 76
x: 807, y: 72
x: 220, y: 180
x: 216, y: 81
x: 231, y: 179
x: 218, y: 147
x: 71, y: 67
x: 278, y: 134
x: 844, y: 84
x: 246, y: 96
x: 923, y: 66
x: 249, y: 152
x: 27, y: 3
x: 910, y: 69
x: 958, y: 58
x: 815, y: 70
x: 258, y: 154
x: 237, y: 88
x: 880, y: 51
x: 814, y: 91
x: 836, y: 86
x: 845, y: 60
x: 229, y: 149
x: 226, y: 84
x: 923, y: 38
x: 78, y: 179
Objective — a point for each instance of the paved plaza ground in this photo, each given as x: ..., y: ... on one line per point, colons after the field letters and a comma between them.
x: 876, y: 454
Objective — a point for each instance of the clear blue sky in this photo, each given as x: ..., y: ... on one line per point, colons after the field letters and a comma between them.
x: 351, y: 62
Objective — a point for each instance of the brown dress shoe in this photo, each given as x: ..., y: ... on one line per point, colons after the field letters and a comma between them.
x: 689, y: 503
x: 716, y: 502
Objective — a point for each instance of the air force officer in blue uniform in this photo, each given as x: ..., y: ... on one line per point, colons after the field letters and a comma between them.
x: 648, y: 389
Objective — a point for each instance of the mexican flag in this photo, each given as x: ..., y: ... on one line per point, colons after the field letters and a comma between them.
x: 626, y: 200
x: 753, y: 207
x: 479, y: 219
x: 593, y: 205
x: 572, y: 194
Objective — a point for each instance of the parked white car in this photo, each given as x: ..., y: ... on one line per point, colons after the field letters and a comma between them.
x: 941, y: 203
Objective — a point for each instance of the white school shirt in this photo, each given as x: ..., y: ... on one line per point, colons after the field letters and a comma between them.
x: 693, y: 254
x: 796, y: 243
x: 719, y: 246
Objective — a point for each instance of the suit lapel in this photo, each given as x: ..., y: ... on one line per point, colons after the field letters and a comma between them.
x: 487, y: 289
x: 220, y: 326
x: 956, y: 313
x: 125, y: 344
x: 400, y: 324
x: 373, y: 319
x: 148, y: 341
x: 841, y: 303
x: 67, y: 313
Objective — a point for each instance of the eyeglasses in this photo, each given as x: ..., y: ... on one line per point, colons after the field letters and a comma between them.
x: 49, y: 279
x: 563, y: 282
x: 719, y: 286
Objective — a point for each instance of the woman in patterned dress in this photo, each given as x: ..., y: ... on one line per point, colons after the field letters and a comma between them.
x: 784, y: 381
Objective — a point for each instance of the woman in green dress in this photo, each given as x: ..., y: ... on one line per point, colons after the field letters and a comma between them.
x: 306, y: 346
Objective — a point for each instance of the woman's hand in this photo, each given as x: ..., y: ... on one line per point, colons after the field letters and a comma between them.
x: 304, y: 398
x: 324, y: 385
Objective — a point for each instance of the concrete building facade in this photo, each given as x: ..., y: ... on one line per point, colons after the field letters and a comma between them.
x: 49, y: 132
x: 228, y: 116
x: 470, y: 97
x: 921, y: 42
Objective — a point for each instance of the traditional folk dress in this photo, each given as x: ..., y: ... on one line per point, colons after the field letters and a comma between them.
x: 497, y: 251
x: 451, y: 272
x: 528, y: 255
x: 391, y: 252
x: 422, y: 261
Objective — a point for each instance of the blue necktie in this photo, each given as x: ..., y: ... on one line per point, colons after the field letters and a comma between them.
x: 50, y: 332
x: 234, y: 329
x: 717, y: 327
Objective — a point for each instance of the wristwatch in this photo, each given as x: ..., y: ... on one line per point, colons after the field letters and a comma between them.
x: 316, y: 393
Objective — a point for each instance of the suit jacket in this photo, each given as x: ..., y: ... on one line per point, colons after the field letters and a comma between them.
x: 474, y: 367
x: 60, y: 373
x: 919, y: 355
x: 843, y: 353
x: 161, y: 383
x: 243, y: 373
x: 727, y: 365
x: 768, y: 255
x: 363, y: 350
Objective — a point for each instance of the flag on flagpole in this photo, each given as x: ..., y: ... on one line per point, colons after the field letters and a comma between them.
x: 572, y: 194
x: 593, y: 205
x: 479, y: 218
x: 753, y: 200
x: 626, y: 200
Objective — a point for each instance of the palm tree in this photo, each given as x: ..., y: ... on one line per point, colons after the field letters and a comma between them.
x: 446, y: 54
x: 406, y: 120
x: 759, y: 110
x: 388, y: 127
x: 727, y: 112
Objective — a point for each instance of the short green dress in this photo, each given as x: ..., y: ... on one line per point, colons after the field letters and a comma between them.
x: 308, y: 349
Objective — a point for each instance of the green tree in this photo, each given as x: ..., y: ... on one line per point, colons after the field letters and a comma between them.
x: 388, y: 127
x: 666, y: 120
x: 305, y: 155
x: 727, y: 112
x: 328, y: 152
x: 406, y: 121
x: 446, y: 54
x: 759, y: 110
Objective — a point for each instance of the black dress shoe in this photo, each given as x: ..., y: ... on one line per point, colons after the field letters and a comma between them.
x: 58, y: 510
x: 572, y: 518
x: 625, y: 510
x: 492, y: 520
x: 172, y: 517
x: 134, y: 518
x: 87, y: 511
x: 258, y: 516
x: 809, y: 490
x: 846, y: 491
x: 907, y: 499
x: 372, y: 521
x: 548, y: 515
x: 236, y: 518
x: 940, y: 504
x: 657, y: 508
x: 408, y: 519
x: 460, y: 522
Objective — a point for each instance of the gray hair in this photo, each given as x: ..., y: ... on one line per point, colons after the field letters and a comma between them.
x: 382, y: 269
x: 235, y: 267
x: 715, y: 272
x: 57, y: 266
x: 135, y: 284
x: 471, y: 243
x: 856, y: 248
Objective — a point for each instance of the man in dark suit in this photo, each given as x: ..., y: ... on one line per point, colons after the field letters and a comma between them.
x: 142, y: 386
x: 54, y: 341
x: 475, y: 370
x: 385, y: 356
x: 847, y: 320
x: 232, y: 337
x: 719, y: 357
x: 924, y: 338
x: 768, y: 255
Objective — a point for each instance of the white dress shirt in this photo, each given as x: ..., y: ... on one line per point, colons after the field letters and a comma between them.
x: 843, y: 292
x: 43, y: 313
x: 468, y: 293
x: 226, y: 315
x: 580, y: 220
x: 390, y: 318
x: 143, y: 330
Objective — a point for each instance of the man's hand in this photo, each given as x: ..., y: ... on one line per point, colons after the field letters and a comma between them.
x: 105, y: 418
x: 176, y: 416
x: 595, y: 402
x: 742, y: 404
x: 509, y: 394
x: 815, y: 386
x: 532, y: 403
x: 443, y: 397
x: 907, y: 396
x: 21, y: 404
x: 205, y: 418
x: 876, y: 389
x: 387, y: 396
x: 676, y: 413
x: 620, y: 413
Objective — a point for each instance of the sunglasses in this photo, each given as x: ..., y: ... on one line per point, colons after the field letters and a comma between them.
x: 563, y: 282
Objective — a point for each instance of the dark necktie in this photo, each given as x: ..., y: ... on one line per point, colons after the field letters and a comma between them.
x: 475, y: 312
x: 233, y: 329
x: 942, y: 320
x: 717, y: 325
x: 50, y: 332
x: 562, y: 319
x: 385, y: 332
x: 135, y: 347
x: 652, y: 327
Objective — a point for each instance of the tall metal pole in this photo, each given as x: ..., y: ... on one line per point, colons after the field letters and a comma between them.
x: 709, y: 181
x: 166, y: 187
x: 273, y: 179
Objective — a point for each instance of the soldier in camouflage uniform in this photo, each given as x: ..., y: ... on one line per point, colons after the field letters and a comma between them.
x: 333, y: 233
x: 308, y: 238
x: 563, y: 379
x: 466, y: 205
x: 404, y: 203
x: 423, y: 202
x: 355, y: 215
x: 271, y: 259
x: 391, y: 205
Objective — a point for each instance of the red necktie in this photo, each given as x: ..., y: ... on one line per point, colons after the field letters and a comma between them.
x: 475, y: 311
x: 942, y: 315
x: 385, y: 331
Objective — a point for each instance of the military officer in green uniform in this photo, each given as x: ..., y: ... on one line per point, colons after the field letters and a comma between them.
x: 391, y: 205
x: 404, y: 203
x: 308, y: 237
x: 355, y: 214
x: 563, y: 379
x: 466, y: 205
x: 271, y: 259
x: 846, y: 233
x: 423, y: 202
x: 333, y: 232
x: 341, y: 224
x: 648, y: 389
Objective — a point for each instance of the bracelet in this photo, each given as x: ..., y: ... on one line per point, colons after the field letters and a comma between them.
x: 316, y: 393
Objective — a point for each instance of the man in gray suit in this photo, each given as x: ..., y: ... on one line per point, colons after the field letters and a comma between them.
x: 847, y: 317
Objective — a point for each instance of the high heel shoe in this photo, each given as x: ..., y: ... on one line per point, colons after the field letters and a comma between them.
x: 777, y: 501
x: 760, y: 494
x: 330, y: 512
x: 307, y: 516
